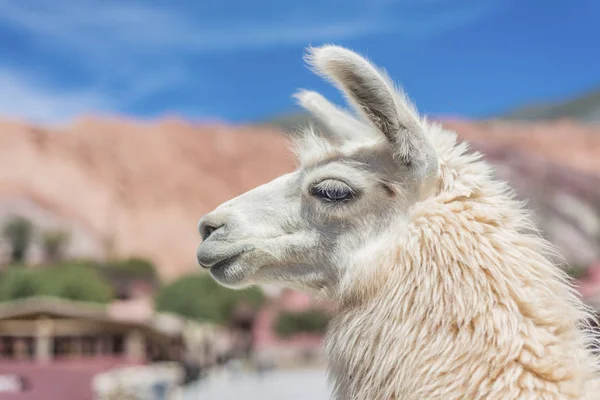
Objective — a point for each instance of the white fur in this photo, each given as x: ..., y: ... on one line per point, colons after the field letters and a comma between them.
x: 444, y: 288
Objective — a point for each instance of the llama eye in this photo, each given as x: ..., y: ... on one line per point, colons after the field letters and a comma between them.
x: 332, y: 191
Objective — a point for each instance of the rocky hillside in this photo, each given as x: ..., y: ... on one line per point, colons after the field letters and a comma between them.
x: 139, y: 188
x: 585, y: 108
x: 555, y: 167
x: 132, y: 188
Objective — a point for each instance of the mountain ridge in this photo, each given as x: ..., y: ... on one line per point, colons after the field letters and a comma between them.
x: 142, y: 186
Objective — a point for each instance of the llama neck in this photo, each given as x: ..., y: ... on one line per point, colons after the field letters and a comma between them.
x: 467, y: 306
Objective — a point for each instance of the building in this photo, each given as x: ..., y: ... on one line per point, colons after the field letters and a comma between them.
x: 55, y: 346
x: 44, y: 330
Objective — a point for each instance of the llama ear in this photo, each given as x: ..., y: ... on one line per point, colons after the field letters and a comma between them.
x: 341, y: 124
x: 371, y: 92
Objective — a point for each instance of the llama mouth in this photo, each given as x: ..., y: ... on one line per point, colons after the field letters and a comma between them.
x: 224, y: 263
x: 230, y: 272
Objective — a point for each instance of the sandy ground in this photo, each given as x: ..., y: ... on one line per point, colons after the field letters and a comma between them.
x: 288, y: 385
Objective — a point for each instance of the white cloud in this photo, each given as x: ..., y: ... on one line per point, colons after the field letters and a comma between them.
x: 133, y: 50
x: 108, y: 27
x: 103, y: 42
x: 24, y: 98
x: 141, y: 28
x: 24, y: 95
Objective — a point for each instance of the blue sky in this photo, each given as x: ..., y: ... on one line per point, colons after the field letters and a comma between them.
x: 241, y: 60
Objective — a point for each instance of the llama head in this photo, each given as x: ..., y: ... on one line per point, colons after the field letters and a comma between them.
x: 352, y: 190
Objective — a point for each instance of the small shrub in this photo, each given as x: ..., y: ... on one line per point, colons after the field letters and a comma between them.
x: 310, y: 321
x: 130, y: 268
x: 74, y: 282
x: 17, y: 283
x: 199, y: 297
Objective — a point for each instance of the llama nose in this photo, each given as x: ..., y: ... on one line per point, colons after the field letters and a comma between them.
x: 208, y: 225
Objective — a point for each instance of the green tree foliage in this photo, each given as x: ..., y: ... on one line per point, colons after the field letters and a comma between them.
x: 199, y: 297
x: 18, y: 231
x: 74, y: 282
x: 18, y: 283
x: 123, y: 273
x: 130, y: 268
x: 310, y: 321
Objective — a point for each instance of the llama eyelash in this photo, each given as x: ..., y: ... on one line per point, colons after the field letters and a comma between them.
x: 334, y: 191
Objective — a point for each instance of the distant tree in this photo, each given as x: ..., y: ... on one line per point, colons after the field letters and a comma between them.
x: 18, y: 283
x: 133, y: 267
x: 199, y: 297
x: 123, y: 274
x: 310, y: 321
x: 76, y: 282
x: 54, y: 244
x: 18, y: 232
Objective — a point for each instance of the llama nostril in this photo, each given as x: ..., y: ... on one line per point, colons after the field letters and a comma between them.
x: 207, y: 229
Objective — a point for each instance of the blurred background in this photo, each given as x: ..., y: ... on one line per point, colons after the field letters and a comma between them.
x: 123, y: 121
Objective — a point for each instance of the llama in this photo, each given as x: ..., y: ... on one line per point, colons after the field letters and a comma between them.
x: 442, y: 285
